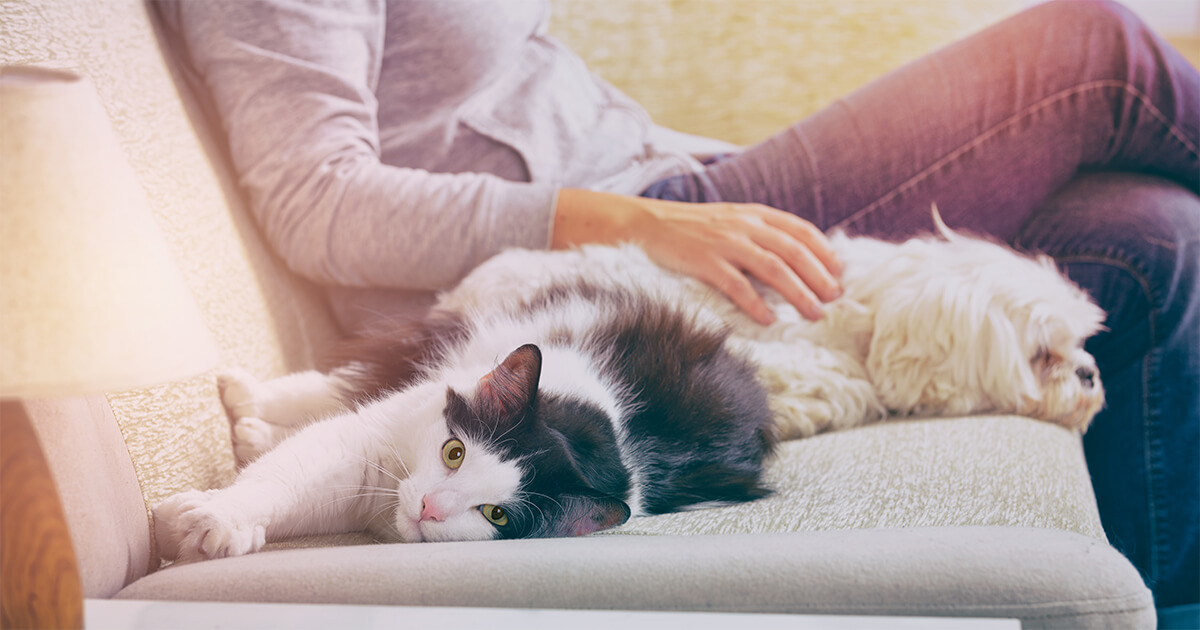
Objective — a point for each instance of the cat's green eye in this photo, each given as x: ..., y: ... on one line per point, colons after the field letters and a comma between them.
x: 494, y: 514
x: 453, y: 452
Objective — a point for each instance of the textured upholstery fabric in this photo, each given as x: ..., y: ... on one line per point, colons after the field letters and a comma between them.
x: 979, y: 516
x: 929, y: 473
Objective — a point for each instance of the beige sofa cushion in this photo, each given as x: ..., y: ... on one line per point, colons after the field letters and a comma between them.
x: 917, y: 473
x: 981, y: 516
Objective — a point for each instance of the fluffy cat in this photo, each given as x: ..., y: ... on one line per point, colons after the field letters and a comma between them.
x: 607, y: 402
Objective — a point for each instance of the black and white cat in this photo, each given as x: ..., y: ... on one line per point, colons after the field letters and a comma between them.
x: 557, y: 415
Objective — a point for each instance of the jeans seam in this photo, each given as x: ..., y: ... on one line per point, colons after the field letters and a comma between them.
x: 818, y: 191
x: 1048, y: 101
x: 1153, y: 463
x: 1161, y: 117
x: 1150, y: 417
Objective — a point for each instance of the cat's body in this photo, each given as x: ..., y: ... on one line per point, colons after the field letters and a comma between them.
x: 559, y: 413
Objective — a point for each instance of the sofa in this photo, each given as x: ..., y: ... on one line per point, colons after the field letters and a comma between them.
x: 989, y: 516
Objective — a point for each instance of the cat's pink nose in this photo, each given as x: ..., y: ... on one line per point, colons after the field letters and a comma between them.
x: 430, y: 510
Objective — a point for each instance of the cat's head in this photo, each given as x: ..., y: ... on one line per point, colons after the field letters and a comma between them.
x: 495, y: 469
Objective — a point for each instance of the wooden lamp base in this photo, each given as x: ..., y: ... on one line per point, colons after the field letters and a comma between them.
x: 39, y: 582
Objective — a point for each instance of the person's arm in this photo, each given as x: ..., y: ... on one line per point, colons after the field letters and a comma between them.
x: 718, y: 243
x: 294, y: 86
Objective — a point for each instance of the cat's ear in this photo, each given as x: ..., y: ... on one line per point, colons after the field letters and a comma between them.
x: 511, y: 388
x: 580, y: 515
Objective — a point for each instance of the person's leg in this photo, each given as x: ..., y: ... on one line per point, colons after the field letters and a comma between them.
x: 987, y: 128
x: 1133, y: 242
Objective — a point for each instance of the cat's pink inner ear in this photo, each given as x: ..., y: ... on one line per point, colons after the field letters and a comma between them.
x: 512, y: 386
x: 585, y: 515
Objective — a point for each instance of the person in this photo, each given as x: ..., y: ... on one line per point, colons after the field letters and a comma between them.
x: 389, y: 148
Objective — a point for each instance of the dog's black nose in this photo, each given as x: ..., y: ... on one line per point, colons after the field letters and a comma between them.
x: 1086, y: 375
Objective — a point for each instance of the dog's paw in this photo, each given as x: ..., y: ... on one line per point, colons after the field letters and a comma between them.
x: 194, y: 525
x: 241, y: 394
x: 253, y: 437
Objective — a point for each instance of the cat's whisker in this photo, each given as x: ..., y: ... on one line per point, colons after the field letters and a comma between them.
x: 391, y: 446
x: 399, y: 459
x: 547, y: 497
x: 392, y: 506
x: 494, y: 439
x: 380, y: 468
x: 359, y: 492
x: 383, y: 470
x: 528, y: 506
x: 365, y: 491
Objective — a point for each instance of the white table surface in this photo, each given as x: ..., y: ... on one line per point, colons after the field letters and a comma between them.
x: 101, y: 614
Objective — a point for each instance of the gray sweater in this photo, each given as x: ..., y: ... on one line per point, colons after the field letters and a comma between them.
x: 395, y: 146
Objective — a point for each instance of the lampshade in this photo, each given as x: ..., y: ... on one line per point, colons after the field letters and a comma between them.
x: 90, y: 297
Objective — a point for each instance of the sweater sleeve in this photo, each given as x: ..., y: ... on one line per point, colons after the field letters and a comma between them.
x: 294, y: 85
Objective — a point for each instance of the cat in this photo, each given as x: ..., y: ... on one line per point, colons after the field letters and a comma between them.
x: 606, y: 402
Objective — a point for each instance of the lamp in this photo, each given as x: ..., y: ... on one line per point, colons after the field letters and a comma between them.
x: 90, y: 301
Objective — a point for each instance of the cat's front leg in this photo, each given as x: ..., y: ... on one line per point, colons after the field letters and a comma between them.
x: 323, y: 480
x: 264, y: 413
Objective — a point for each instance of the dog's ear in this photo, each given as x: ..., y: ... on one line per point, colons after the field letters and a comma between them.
x: 941, y: 347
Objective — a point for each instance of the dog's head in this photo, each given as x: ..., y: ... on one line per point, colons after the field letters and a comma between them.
x: 977, y: 328
x: 1065, y: 383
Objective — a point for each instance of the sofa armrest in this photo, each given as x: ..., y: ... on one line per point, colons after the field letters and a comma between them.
x: 101, y: 496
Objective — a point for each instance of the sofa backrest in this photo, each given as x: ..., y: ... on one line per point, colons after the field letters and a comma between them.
x: 741, y: 70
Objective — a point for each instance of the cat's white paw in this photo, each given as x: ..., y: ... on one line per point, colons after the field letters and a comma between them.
x: 240, y: 392
x: 244, y: 398
x: 195, y: 525
x: 253, y: 437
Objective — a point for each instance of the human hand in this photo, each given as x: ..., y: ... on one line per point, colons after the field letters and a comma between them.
x: 722, y: 244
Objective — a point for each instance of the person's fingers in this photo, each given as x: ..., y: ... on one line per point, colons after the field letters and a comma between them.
x: 771, y: 270
x: 729, y: 280
x: 804, y: 265
x: 723, y: 244
x: 806, y: 233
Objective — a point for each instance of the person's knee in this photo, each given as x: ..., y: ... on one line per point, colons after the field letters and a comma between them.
x: 1105, y: 26
x: 1140, y: 230
x: 1104, y: 13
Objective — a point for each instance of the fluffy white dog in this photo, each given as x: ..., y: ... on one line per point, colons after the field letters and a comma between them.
x: 940, y: 325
